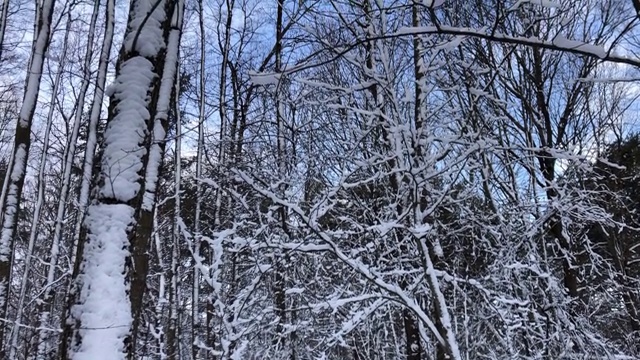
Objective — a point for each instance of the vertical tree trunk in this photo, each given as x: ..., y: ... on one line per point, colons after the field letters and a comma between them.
x: 12, y: 190
x: 418, y: 72
x: 412, y: 334
x: 222, y: 155
x: 40, y: 197
x: 44, y: 306
x: 141, y: 236
x: 411, y: 327
x: 279, y: 269
x: 87, y: 167
x: 172, y: 327
x: 4, y: 12
x: 161, y: 301
x: 448, y: 349
x: 547, y: 166
x: 94, y: 119
x: 119, y: 222
x: 223, y: 150
x: 196, y: 326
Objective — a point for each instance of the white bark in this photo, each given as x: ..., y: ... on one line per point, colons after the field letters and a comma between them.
x: 445, y: 318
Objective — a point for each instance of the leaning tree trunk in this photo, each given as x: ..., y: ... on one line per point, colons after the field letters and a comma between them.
x: 112, y: 278
x: 12, y: 190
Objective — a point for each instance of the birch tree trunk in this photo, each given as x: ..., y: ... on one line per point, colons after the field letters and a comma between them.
x: 112, y: 277
x: 12, y: 190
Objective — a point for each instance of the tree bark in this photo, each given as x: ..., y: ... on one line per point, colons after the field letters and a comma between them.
x: 4, y: 12
x: 119, y: 223
x: 12, y: 189
x: 88, y: 167
x: 199, y: 247
x: 36, y: 214
x: 44, y: 306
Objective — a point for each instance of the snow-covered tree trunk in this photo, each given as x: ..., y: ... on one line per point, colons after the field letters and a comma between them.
x: 44, y: 306
x: 35, y: 222
x: 140, y: 238
x: 112, y: 276
x: 4, y: 14
x: 12, y: 190
x: 87, y: 167
x: 94, y: 118
x: 413, y: 347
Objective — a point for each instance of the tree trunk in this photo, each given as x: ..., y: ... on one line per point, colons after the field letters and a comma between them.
x: 412, y: 334
x: 87, y: 167
x: 199, y: 250
x: 112, y: 277
x: 161, y: 301
x: 4, y: 12
x: 172, y: 327
x: 36, y: 214
x: 44, y: 306
x: 12, y: 190
x: 279, y: 256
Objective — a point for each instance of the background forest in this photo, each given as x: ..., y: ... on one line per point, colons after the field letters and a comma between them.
x: 319, y: 179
